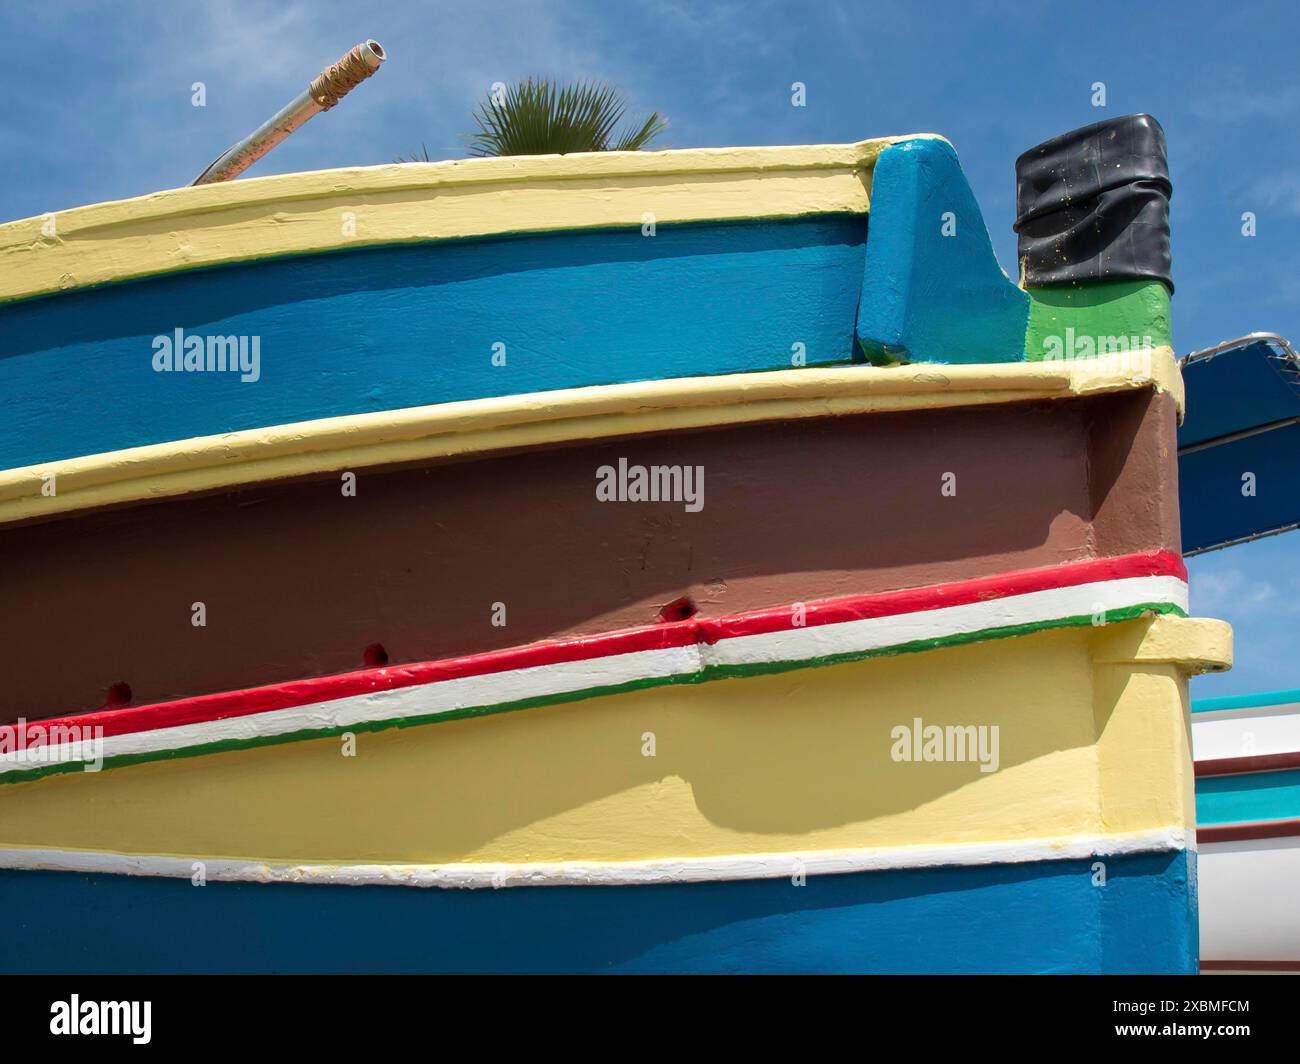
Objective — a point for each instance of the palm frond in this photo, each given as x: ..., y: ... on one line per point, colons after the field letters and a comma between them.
x: 637, y: 139
x: 422, y: 156
x: 539, y: 117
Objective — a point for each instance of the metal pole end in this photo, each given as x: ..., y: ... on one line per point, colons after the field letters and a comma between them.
x: 338, y: 79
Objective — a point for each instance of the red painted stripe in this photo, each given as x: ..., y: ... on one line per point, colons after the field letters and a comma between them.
x: 1249, y: 830
x: 1237, y: 766
x: 652, y: 637
x: 1250, y: 966
x: 961, y: 593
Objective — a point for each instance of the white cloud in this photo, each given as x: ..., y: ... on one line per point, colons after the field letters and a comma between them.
x: 1228, y: 590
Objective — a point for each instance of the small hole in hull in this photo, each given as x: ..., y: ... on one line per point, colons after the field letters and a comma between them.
x: 680, y: 609
x: 119, y: 695
x: 376, y: 656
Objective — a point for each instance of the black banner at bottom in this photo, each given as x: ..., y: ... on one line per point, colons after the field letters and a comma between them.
x: 366, y: 1012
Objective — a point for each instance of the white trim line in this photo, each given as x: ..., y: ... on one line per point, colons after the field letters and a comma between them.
x: 793, y: 645
x: 610, y: 873
x: 1259, y: 731
x: 879, y: 633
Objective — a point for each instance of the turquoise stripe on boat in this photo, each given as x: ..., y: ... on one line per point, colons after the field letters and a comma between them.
x: 1047, y: 916
x: 380, y: 329
x: 1252, y: 796
x: 1254, y: 701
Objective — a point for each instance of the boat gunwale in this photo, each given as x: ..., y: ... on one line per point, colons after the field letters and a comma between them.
x: 482, y: 426
x: 508, y: 169
x: 160, y: 222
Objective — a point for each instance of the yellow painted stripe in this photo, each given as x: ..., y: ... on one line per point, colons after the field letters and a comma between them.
x: 1089, y: 744
x: 332, y: 210
x: 481, y: 425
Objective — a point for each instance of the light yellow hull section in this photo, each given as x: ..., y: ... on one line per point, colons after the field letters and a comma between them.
x: 1092, y: 730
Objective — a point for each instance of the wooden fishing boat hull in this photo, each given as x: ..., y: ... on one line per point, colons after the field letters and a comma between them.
x: 552, y: 585
x: 1248, y: 811
x: 706, y: 773
x: 284, y: 299
x: 256, y: 304
x: 769, y: 813
x: 463, y: 555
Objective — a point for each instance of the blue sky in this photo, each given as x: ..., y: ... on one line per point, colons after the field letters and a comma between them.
x: 98, y: 108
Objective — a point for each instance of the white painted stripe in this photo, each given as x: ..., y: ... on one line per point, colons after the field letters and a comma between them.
x: 443, y: 696
x: 1247, y: 899
x: 1246, y: 732
x: 611, y: 873
x: 540, y: 681
x: 879, y: 633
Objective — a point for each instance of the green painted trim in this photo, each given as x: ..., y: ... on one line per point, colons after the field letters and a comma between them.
x: 1080, y: 321
x: 705, y: 675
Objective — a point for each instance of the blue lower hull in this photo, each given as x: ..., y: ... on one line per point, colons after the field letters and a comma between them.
x: 1039, y: 917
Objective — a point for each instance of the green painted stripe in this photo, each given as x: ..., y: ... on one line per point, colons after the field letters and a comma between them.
x: 706, y: 675
x: 1106, y: 311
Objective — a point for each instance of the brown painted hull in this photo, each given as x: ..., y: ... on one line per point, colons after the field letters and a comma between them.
x: 297, y: 578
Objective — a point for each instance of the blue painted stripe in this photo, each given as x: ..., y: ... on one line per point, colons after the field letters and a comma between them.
x: 1050, y: 916
x: 1253, y: 796
x: 403, y: 326
x: 1240, y: 388
x: 1211, y: 496
x: 1258, y: 700
x: 933, y: 290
